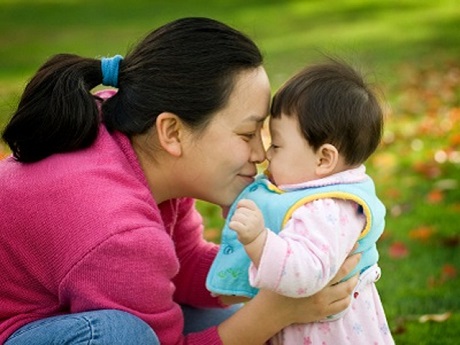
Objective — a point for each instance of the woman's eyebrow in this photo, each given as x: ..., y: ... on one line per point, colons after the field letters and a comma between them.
x: 256, y: 118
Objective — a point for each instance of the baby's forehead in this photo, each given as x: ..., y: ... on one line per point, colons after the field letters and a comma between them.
x: 273, y: 125
x: 275, y: 121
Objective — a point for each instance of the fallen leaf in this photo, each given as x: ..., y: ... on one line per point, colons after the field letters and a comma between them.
x: 451, y: 241
x: 398, y: 250
x: 422, y: 233
x: 428, y: 169
x: 455, y: 139
x: 434, y: 317
x: 435, y: 196
x: 393, y: 193
x: 449, y: 271
x: 3, y: 153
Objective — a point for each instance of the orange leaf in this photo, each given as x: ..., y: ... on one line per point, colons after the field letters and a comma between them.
x: 393, y: 193
x: 3, y: 153
x: 435, y: 196
x: 398, y: 250
x: 455, y: 140
x: 422, y: 233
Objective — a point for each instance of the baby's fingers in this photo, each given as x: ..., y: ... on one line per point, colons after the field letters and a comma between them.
x: 246, y: 203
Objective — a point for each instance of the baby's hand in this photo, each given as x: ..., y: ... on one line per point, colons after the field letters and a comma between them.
x: 247, y: 221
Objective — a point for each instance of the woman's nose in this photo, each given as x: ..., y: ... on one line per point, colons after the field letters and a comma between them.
x: 258, y: 151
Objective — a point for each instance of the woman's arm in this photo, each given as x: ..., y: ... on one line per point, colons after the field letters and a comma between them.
x: 268, y: 313
x: 193, y: 252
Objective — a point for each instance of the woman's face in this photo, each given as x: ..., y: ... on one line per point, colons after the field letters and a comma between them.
x: 221, y: 160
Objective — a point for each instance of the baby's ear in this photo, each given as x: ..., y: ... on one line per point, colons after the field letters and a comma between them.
x: 327, y: 159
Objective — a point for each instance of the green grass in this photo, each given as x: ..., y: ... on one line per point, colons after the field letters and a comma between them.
x: 412, y: 50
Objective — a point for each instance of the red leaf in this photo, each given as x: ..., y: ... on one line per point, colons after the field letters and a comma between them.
x: 398, y: 250
x: 449, y: 271
x: 427, y: 169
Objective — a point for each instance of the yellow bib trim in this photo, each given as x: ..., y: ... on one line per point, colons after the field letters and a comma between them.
x: 333, y: 195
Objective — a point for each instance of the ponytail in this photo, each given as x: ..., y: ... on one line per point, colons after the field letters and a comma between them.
x: 56, y: 112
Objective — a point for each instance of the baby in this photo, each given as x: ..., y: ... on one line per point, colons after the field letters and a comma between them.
x: 292, y: 228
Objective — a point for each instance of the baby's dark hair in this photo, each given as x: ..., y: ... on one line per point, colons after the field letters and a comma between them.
x: 334, y: 105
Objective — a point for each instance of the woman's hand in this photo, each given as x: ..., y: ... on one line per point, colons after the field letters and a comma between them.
x: 268, y: 313
x: 332, y: 299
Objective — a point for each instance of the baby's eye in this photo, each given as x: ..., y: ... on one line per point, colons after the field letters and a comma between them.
x: 273, y: 146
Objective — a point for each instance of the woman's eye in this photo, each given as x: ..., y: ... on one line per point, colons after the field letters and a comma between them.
x: 248, y: 136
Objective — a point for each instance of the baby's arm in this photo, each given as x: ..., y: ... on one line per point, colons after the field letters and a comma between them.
x: 248, y: 223
x: 302, y: 258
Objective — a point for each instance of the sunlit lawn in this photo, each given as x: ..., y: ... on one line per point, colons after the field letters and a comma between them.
x: 413, y: 51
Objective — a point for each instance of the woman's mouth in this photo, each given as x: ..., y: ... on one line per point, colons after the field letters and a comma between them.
x: 248, y: 178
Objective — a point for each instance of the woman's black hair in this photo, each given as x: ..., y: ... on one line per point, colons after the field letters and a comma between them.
x: 186, y: 67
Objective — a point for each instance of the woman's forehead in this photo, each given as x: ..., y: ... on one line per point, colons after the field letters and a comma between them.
x: 250, y: 97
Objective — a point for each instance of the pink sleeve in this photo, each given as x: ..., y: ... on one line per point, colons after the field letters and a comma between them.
x: 311, y: 248
x: 195, y: 256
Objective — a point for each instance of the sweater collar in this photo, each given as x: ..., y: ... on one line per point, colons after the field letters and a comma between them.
x: 127, y: 148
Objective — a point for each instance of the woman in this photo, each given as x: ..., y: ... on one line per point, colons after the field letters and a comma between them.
x: 100, y: 235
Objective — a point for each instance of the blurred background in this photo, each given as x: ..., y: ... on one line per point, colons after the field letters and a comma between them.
x: 410, y: 50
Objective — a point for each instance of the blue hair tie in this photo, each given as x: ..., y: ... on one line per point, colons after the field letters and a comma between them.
x: 110, y: 67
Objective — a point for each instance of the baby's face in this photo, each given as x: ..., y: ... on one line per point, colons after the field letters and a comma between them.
x: 291, y: 159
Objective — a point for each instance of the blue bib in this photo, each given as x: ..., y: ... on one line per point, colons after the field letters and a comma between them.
x: 229, y: 272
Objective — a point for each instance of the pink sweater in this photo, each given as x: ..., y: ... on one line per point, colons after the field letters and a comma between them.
x: 81, y: 231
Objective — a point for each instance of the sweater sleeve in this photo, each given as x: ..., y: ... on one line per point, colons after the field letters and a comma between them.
x: 133, y: 271
x: 195, y: 256
x: 308, y: 252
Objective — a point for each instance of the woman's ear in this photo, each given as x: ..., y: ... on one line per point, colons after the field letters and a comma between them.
x: 169, y: 129
x: 327, y: 160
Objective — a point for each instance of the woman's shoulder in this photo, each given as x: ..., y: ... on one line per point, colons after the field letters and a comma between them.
x: 97, y: 185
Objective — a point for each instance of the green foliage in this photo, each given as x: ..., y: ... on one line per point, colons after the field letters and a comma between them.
x: 412, y: 49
